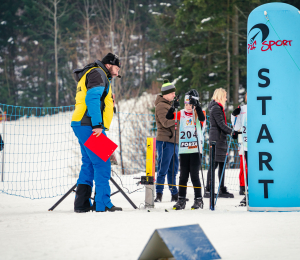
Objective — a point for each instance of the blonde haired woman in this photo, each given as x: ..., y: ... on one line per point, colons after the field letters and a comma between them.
x: 218, y: 132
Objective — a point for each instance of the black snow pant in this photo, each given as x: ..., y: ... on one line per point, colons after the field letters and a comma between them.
x: 246, y: 157
x: 189, y: 165
x: 221, y: 165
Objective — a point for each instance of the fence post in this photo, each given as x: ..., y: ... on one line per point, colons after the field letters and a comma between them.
x: 150, y: 171
x: 3, y: 122
x: 120, y: 141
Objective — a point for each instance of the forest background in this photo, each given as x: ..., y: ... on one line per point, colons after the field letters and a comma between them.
x: 200, y: 44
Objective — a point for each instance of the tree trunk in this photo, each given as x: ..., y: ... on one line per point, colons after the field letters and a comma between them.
x: 143, y: 83
x: 6, y: 76
x: 209, y: 59
x: 228, y: 57
x: 120, y: 140
x: 88, y: 39
x: 55, y: 51
x: 235, y: 62
x: 87, y: 30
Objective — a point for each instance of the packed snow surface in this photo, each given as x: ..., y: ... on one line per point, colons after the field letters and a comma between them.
x: 29, y: 231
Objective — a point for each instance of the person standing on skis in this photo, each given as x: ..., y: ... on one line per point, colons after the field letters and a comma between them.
x: 165, y: 141
x: 241, y: 127
x: 218, y: 132
x: 189, y: 152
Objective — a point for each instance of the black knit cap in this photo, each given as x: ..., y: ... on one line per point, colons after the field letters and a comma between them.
x: 111, y: 59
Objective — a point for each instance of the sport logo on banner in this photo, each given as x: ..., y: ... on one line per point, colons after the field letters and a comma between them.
x: 266, y: 45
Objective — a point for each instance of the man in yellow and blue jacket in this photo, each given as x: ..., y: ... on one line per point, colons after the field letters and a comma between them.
x: 93, y: 115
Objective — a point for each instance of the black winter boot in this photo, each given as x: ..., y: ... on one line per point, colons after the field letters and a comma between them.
x: 113, y: 209
x: 243, y: 202
x: 224, y: 193
x: 180, y: 204
x: 158, y: 197
x: 242, y: 190
x: 82, y: 201
x: 198, y: 203
x: 207, y: 193
x: 174, y: 197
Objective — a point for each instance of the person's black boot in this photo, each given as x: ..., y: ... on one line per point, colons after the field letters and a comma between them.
x: 113, y: 209
x: 174, y: 197
x: 180, y: 204
x: 224, y: 193
x: 158, y: 197
x: 207, y: 193
x: 242, y: 190
x: 243, y: 202
x: 198, y: 203
x: 82, y: 201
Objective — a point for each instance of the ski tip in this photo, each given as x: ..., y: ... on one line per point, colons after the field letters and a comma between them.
x: 166, y: 210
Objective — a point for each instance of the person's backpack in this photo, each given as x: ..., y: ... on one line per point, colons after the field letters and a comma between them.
x: 1, y: 143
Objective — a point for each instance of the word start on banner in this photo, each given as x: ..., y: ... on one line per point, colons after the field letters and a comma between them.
x: 264, y: 157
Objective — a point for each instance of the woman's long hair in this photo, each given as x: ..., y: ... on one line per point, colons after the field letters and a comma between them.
x: 219, y: 94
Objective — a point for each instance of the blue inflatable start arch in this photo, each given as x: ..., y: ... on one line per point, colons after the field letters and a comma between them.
x: 273, y: 83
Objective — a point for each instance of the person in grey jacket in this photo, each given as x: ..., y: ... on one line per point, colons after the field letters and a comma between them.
x: 218, y: 132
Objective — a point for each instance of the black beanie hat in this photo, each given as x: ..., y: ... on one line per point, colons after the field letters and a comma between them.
x: 111, y: 59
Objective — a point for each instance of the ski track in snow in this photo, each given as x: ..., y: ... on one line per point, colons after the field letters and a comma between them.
x: 30, y: 231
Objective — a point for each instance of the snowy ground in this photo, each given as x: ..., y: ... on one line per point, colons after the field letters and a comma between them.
x: 29, y: 231
x: 41, y: 161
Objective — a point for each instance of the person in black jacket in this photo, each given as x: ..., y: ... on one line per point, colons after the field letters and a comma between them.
x: 218, y: 132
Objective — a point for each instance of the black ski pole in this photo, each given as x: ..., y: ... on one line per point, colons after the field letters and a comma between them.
x: 212, y: 176
x: 200, y: 159
x: 174, y: 149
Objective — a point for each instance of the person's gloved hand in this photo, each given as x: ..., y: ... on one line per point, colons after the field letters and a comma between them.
x: 237, y: 111
x: 194, y: 102
x: 235, y: 135
x: 176, y: 103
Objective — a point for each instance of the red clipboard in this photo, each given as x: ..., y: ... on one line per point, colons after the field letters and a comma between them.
x: 101, y: 146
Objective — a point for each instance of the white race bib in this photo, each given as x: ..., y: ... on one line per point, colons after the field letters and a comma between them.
x: 187, y: 135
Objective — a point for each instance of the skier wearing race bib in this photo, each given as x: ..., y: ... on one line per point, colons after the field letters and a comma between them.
x: 190, y: 147
x: 241, y: 128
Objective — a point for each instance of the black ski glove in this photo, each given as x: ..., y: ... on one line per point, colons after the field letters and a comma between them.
x: 235, y: 135
x: 194, y: 102
x: 237, y: 111
x: 200, y: 114
x: 176, y: 104
x: 170, y: 114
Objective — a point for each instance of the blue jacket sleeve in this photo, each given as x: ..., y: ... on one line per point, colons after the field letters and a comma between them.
x: 93, y: 103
